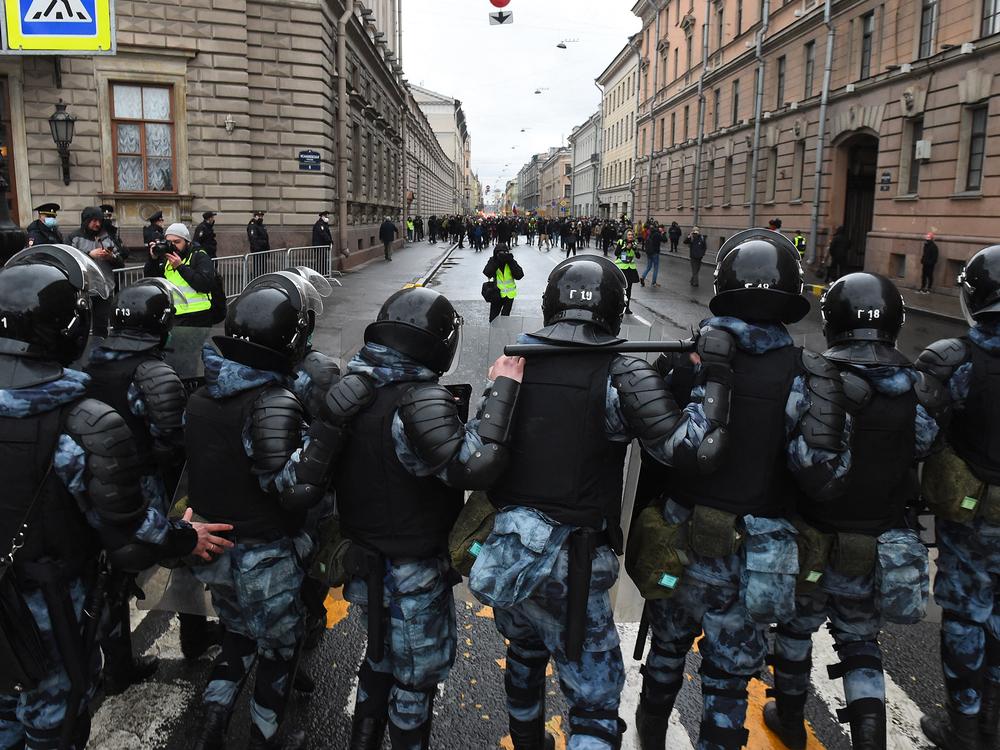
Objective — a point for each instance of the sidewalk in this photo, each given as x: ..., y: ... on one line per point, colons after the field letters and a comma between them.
x: 935, y: 304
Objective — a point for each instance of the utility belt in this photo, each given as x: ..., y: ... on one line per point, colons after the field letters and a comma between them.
x: 954, y: 493
x: 896, y: 560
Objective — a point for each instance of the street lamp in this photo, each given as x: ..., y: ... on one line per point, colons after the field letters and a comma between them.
x: 62, y: 124
x: 541, y: 89
x: 564, y: 42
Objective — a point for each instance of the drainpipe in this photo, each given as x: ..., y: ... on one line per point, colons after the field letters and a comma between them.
x: 701, y: 113
x: 758, y: 111
x: 399, y: 32
x: 600, y: 149
x: 821, y: 135
x: 343, y: 103
x: 652, y: 106
x: 404, y: 209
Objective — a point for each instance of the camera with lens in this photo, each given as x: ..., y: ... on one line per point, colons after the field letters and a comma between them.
x: 161, y: 248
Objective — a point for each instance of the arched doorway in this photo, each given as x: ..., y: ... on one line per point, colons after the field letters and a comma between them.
x: 859, y: 159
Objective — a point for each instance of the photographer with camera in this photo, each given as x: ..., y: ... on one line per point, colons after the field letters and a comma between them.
x: 105, y: 249
x: 184, y: 264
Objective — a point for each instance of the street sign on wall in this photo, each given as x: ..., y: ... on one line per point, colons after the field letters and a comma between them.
x: 61, y: 27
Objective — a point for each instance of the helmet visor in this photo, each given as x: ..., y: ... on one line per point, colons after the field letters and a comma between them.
x: 314, y: 277
x: 304, y: 296
x: 82, y: 271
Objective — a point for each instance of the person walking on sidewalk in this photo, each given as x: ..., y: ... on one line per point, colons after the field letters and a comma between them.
x: 653, y: 242
x: 928, y: 259
x: 387, y: 234
x: 839, y: 245
x: 507, y: 272
x: 675, y: 235
x: 697, y: 246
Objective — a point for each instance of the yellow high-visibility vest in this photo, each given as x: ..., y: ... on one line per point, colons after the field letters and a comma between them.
x: 506, y: 283
x: 629, y: 260
x: 196, y: 301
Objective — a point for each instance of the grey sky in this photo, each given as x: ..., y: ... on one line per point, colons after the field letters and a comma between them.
x: 450, y: 47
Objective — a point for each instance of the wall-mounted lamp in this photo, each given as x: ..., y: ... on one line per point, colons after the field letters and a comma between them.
x: 230, y: 124
x: 62, y: 124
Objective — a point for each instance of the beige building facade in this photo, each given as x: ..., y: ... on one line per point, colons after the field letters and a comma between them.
x: 528, y: 184
x: 222, y: 106
x: 618, y: 83
x: 555, y: 183
x: 430, y: 174
x: 447, y: 120
x: 910, y: 135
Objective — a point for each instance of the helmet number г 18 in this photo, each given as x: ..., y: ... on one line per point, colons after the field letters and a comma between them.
x: 869, y: 314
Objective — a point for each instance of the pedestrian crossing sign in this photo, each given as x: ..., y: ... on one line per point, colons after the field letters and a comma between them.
x: 64, y: 27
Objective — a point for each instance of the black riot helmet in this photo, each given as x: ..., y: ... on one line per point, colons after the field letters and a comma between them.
x: 45, y: 311
x: 758, y: 277
x: 420, y: 323
x: 143, y: 315
x: 586, y: 289
x: 268, y: 325
x: 862, y: 315
x: 980, y: 283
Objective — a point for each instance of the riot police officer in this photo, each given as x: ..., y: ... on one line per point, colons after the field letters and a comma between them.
x: 243, y: 436
x: 71, y: 490
x: 399, y: 490
x: 579, y: 412
x: 960, y: 486
x: 734, y: 519
x: 861, y: 564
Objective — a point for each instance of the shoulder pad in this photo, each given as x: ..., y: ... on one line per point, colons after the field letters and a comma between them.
x: 943, y: 357
x: 275, y: 428
x: 646, y: 403
x: 346, y: 397
x: 818, y: 365
x: 113, y: 467
x: 320, y: 368
x: 857, y: 391
x: 163, y: 393
x: 432, y: 424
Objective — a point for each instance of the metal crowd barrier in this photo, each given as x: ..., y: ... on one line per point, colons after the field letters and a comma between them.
x: 237, y: 271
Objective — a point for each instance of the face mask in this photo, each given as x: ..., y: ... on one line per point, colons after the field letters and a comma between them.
x: 50, y: 221
x: 326, y: 219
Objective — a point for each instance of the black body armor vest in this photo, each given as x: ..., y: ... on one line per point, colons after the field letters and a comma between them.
x: 975, y: 430
x: 381, y: 504
x: 752, y: 478
x: 222, y: 484
x: 58, y: 529
x: 881, y: 482
x: 561, y: 461
x: 109, y: 383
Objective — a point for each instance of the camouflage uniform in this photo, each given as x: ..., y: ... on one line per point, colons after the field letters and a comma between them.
x: 522, y: 573
x: 852, y: 604
x: 255, y: 588
x: 36, y: 716
x: 718, y: 596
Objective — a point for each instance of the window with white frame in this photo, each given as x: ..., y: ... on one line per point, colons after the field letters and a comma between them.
x: 142, y: 136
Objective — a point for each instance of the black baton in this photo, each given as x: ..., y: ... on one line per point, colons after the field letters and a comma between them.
x: 526, y: 350
x: 640, y: 639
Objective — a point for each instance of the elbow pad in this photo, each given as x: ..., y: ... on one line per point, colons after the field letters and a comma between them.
x: 164, y: 394
x: 275, y: 429
x: 112, y: 475
x: 711, y: 450
x: 325, y: 443
x: 646, y: 404
x: 322, y: 371
x: 498, y: 411
x: 822, y: 426
x: 432, y: 424
x: 942, y: 358
x: 346, y: 398
x: 482, y: 470
x: 932, y: 395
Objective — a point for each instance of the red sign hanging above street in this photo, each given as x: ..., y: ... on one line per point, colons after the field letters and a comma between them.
x: 499, y: 3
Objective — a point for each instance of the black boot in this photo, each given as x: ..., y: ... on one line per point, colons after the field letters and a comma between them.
x: 140, y: 668
x: 785, y: 717
x: 867, y: 724
x: 989, y: 711
x: 367, y: 733
x: 954, y: 731
x: 531, y: 735
x: 198, y: 635
x: 293, y: 740
x: 401, y: 739
x: 213, y: 728
x: 652, y: 717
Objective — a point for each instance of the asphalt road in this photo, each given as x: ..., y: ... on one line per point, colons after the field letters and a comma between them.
x: 164, y: 712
